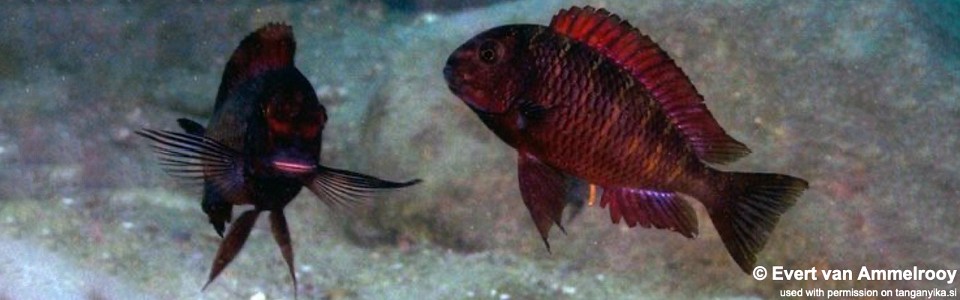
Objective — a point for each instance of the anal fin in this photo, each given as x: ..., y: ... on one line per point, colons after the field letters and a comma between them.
x: 647, y: 208
x: 543, y: 189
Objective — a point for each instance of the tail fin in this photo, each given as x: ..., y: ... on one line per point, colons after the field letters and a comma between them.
x: 748, y: 207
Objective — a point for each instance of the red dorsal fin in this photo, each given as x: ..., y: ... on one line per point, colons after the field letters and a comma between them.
x: 657, y: 73
x: 269, y: 48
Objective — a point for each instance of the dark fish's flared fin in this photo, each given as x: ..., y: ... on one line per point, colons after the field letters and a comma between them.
x: 543, y: 190
x: 748, y: 208
x: 661, y: 210
x: 232, y: 244
x: 661, y: 78
x: 346, y: 189
x: 281, y: 233
x: 269, y: 48
x: 192, y: 156
x: 191, y: 127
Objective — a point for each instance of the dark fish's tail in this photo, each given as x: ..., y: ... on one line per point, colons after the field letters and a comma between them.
x: 747, y: 206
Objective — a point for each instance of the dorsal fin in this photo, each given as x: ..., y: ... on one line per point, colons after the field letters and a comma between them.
x: 663, y: 80
x: 269, y: 48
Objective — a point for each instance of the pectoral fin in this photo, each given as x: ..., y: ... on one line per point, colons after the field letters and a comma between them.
x: 346, y: 189
x: 543, y: 189
x: 194, y: 156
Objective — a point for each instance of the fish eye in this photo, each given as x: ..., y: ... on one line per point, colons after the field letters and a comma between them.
x: 488, y: 52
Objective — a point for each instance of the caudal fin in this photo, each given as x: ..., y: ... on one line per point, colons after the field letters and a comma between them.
x: 747, y: 209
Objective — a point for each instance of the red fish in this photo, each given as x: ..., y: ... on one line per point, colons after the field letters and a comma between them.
x: 261, y: 146
x: 593, y: 98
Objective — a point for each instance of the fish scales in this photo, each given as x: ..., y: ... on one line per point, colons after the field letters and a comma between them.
x: 593, y: 97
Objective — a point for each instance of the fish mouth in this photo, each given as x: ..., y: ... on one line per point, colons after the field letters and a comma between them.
x: 448, y: 72
x: 456, y: 86
x: 453, y: 82
x: 293, y: 167
x: 459, y: 86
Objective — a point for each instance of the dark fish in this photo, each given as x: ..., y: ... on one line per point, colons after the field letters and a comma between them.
x: 593, y: 98
x: 261, y: 146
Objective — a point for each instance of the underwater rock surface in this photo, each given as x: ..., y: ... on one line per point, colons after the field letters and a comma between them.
x: 860, y: 98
